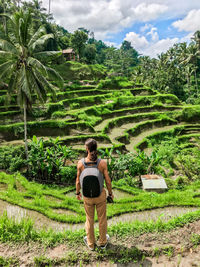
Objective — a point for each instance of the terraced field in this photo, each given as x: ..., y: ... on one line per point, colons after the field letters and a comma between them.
x: 123, y: 118
x: 127, y: 119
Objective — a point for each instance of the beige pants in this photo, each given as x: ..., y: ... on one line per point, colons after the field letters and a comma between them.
x: 89, y: 205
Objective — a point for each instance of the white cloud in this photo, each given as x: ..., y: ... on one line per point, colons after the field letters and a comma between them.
x: 104, y: 17
x: 153, y: 33
x: 146, y: 12
x: 190, y: 23
x: 154, y: 49
x: 107, y: 17
x: 146, y: 27
x: 108, y: 43
x: 137, y: 41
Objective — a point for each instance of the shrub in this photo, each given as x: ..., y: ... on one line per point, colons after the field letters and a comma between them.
x: 12, y: 158
x: 52, y: 107
x: 114, y: 83
x: 92, y: 120
x: 58, y: 114
x: 74, y: 105
x: 68, y: 174
x: 191, y: 114
x: 128, y: 165
x: 47, y: 164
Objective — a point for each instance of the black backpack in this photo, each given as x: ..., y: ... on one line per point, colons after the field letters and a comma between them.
x: 91, y: 179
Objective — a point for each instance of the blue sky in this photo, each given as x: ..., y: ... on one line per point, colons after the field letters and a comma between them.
x: 152, y: 26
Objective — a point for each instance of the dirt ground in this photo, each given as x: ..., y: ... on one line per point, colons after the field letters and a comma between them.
x: 183, y: 254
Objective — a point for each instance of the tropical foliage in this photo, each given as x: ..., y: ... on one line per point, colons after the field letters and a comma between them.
x: 22, y: 54
x: 177, y: 71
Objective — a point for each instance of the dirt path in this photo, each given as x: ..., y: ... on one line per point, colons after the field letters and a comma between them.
x: 118, y: 131
x: 169, y: 249
x: 99, y: 127
x: 137, y: 139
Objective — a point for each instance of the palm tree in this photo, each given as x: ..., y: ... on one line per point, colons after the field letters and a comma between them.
x: 196, y: 38
x: 22, y: 52
x: 191, y: 57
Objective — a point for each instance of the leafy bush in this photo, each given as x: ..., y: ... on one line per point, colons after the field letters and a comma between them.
x: 59, y: 114
x: 127, y: 165
x: 115, y: 83
x: 12, y: 158
x: 52, y: 107
x: 68, y: 174
x: 92, y: 120
x: 191, y: 114
x: 74, y: 105
x: 72, y: 70
x: 189, y: 163
x: 47, y: 164
x: 38, y: 112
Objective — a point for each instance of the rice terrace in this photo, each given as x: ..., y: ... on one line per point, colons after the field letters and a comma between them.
x: 57, y: 90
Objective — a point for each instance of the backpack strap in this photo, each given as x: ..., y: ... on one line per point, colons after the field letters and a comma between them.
x: 90, y: 164
x: 83, y: 161
x: 98, y: 161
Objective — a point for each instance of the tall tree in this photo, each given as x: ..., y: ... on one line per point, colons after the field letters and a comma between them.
x: 78, y: 42
x: 22, y: 52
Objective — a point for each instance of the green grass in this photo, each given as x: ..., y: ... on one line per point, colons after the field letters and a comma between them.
x: 177, y: 131
x: 8, y: 261
x: 43, y: 128
x: 106, y: 111
x: 24, y: 231
x: 9, y: 113
x: 147, y: 100
x: 139, y: 200
x: 116, y: 122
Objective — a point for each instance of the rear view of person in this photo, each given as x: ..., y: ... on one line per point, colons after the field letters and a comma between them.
x: 91, y: 173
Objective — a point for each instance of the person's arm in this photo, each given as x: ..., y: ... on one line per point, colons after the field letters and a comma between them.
x: 78, y: 186
x: 107, y: 178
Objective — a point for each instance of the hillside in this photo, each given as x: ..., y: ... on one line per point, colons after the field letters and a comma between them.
x: 125, y: 118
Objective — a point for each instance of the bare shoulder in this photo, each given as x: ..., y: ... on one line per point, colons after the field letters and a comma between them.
x: 103, y: 163
x: 79, y: 164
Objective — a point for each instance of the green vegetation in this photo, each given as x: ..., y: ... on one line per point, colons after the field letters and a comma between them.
x: 144, y: 114
x: 46, y: 199
x: 22, y: 66
x: 6, y: 262
x: 78, y: 71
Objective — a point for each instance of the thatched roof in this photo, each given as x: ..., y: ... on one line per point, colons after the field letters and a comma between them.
x: 68, y: 51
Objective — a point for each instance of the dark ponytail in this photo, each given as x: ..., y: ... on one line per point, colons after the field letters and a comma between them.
x: 92, y: 147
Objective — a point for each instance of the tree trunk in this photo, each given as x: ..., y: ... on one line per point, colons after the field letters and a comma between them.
x: 5, y: 23
x: 25, y: 130
x: 196, y: 83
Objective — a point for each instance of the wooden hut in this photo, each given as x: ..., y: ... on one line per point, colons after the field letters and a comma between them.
x: 69, y: 54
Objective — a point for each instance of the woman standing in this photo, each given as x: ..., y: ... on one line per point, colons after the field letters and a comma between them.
x: 91, y: 173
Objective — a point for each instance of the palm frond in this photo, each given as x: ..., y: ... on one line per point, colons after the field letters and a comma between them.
x: 36, y: 88
x: 33, y: 62
x: 21, y: 31
x: 47, y: 54
x: 24, y: 84
x: 6, y: 54
x: 44, y: 83
x: 55, y: 76
x: 40, y: 32
x: 5, y: 68
x: 7, y: 16
x: 13, y: 82
x: 41, y: 41
x: 7, y: 46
